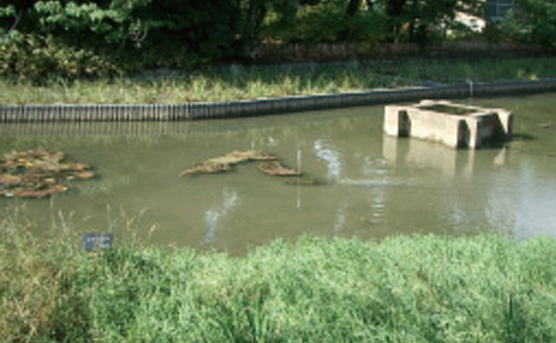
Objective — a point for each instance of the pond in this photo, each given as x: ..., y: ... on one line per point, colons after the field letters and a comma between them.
x: 372, y: 186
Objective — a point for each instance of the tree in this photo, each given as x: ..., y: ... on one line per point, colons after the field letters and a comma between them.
x: 533, y: 22
x: 154, y: 31
x: 419, y: 21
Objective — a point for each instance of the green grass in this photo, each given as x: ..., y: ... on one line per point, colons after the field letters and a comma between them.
x: 237, y: 82
x: 404, y: 289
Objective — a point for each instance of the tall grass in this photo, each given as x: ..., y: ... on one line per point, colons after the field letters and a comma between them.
x: 404, y: 289
x: 239, y: 82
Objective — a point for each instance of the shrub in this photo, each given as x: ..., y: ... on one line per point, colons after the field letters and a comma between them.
x: 36, y: 58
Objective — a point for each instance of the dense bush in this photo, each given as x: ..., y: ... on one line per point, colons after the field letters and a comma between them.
x: 34, y: 58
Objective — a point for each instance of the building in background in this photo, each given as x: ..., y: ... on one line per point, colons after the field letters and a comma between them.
x: 497, y: 9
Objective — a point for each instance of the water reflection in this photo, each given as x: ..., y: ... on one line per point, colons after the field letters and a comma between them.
x: 330, y: 155
x: 94, y: 129
x: 528, y: 205
x: 428, y: 155
x: 377, y: 205
x: 215, y: 215
x: 367, y: 172
x: 340, y: 221
x: 500, y: 188
x: 460, y: 180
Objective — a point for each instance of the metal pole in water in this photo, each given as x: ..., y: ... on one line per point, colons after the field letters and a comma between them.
x: 299, y: 176
x: 470, y: 83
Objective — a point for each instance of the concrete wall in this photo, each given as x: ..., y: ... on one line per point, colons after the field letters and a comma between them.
x: 234, y: 109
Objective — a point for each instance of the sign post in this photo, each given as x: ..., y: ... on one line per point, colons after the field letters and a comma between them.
x: 97, y: 241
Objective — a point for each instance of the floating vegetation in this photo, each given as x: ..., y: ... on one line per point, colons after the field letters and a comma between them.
x: 268, y: 165
x: 225, y: 163
x: 39, y: 174
x: 277, y: 169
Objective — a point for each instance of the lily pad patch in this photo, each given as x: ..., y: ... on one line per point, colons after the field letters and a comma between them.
x: 39, y: 174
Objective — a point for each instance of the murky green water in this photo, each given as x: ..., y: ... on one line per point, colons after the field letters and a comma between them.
x: 375, y: 186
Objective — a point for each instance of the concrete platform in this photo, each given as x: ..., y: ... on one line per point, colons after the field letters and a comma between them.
x: 455, y: 125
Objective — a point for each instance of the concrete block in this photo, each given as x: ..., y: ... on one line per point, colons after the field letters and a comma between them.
x: 455, y: 125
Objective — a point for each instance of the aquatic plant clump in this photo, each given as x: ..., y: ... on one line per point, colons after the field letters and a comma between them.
x: 225, y: 163
x: 268, y: 164
x: 39, y: 174
x: 274, y: 168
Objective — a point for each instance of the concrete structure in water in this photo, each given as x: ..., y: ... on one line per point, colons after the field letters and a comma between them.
x: 455, y: 125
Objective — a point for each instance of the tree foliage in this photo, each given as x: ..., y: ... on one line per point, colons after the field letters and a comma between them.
x: 320, y: 21
x: 177, y: 33
x: 533, y: 22
x: 425, y: 21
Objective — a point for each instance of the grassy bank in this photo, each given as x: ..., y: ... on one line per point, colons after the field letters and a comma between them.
x: 406, y: 289
x: 238, y: 82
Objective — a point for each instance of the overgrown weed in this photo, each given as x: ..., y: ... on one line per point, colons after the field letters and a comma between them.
x: 403, y: 289
x: 251, y: 82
